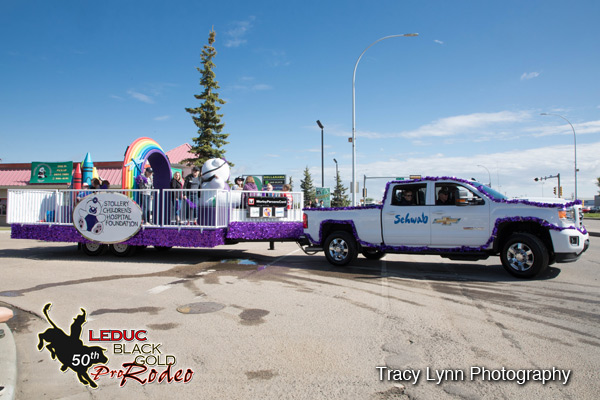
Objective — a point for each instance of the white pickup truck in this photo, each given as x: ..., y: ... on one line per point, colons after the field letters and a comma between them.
x: 453, y: 218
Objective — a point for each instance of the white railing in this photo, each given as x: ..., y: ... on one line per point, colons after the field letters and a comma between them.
x: 56, y: 206
x: 205, y: 208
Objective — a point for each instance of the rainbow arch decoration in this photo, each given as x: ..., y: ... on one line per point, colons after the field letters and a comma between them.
x: 144, y: 152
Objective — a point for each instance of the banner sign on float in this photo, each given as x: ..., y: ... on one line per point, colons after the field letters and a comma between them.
x: 267, y: 207
x: 51, y: 172
x: 107, y: 217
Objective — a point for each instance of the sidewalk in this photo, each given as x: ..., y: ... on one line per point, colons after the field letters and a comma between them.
x: 8, y: 363
x: 592, y: 226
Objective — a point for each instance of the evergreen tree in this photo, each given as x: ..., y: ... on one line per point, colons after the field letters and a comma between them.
x: 210, y: 140
x: 339, y: 197
x: 308, y: 188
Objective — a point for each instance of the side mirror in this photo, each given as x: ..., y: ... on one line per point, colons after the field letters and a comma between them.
x: 463, y: 196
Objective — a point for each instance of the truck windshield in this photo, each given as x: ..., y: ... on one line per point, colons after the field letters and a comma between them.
x: 494, y: 194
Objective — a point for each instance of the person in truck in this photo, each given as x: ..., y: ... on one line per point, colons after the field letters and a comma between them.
x: 407, y: 198
x: 444, y: 197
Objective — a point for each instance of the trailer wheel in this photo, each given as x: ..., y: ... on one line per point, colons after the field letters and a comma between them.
x: 524, y: 255
x: 122, y: 249
x: 372, y: 254
x: 93, y: 249
x: 340, y: 248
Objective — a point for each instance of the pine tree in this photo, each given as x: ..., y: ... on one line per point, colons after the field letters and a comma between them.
x: 339, y: 197
x: 210, y: 140
x: 308, y: 188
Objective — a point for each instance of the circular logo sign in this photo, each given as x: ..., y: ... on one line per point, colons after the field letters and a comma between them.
x: 107, y: 217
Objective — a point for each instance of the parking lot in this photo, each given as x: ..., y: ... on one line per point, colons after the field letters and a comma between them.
x: 278, y: 324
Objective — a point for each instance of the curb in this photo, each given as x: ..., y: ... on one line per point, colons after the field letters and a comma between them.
x: 8, y: 364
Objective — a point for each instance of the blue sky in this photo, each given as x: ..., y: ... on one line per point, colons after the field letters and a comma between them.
x: 464, y: 95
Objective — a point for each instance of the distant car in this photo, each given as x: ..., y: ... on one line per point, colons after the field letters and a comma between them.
x: 594, y: 209
x: 586, y: 209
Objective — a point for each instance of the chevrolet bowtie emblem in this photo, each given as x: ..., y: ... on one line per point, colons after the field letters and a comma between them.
x: 446, y: 221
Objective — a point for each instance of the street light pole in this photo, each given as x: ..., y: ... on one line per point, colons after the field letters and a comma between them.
x: 489, y: 176
x: 574, y: 146
x: 354, y: 109
x: 336, y: 169
x: 322, y: 156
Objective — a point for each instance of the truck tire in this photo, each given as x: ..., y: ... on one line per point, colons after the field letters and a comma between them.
x: 372, y: 254
x: 93, y: 249
x: 340, y: 248
x: 524, y: 255
x: 122, y: 249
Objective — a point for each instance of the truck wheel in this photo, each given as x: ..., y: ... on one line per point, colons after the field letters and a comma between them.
x: 524, y: 255
x: 122, y: 249
x: 372, y: 254
x: 93, y: 249
x: 340, y: 248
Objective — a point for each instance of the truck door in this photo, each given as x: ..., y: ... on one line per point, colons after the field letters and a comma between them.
x: 405, y: 217
x: 460, y: 217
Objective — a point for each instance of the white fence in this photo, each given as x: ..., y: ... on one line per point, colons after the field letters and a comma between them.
x: 205, y: 208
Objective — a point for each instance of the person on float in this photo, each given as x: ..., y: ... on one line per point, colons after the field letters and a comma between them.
x: 146, y: 183
x: 177, y: 196
x: 192, y: 183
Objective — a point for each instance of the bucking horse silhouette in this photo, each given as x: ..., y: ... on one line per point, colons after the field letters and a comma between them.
x: 70, y: 350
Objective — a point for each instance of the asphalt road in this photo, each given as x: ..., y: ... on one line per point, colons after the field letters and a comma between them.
x: 257, y: 324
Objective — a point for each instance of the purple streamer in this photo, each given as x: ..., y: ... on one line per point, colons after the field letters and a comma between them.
x: 264, y: 230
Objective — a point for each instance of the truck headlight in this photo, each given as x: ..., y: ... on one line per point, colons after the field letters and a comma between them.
x: 567, y: 214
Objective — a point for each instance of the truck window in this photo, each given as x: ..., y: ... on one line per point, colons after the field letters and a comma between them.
x: 451, y: 194
x: 409, y: 195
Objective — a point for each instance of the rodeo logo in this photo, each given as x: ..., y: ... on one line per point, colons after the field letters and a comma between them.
x: 70, y: 350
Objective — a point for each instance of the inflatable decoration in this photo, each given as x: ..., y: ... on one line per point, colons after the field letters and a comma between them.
x: 141, y: 153
x: 215, y: 174
x: 87, y: 173
x: 77, y: 177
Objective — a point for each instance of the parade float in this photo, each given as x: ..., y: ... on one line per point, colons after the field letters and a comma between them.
x: 140, y: 215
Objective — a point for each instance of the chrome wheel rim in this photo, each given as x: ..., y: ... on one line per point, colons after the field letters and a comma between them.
x: 520, y: 257
x: 338, y: 249
x: 92, y: 246
x: 120, y: 247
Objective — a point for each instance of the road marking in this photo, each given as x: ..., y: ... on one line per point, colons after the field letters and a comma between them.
x: 159, y: 289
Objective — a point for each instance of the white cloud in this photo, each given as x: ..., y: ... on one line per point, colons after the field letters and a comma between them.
x: 453, y: 126
x: 438, y: 41
x: 529, y: 75
x: 515, y: 170
x: 580, y: 129
x: 237, y: 35
x: 262, y: 86
x: 162, y: 118
x: 140, y: 96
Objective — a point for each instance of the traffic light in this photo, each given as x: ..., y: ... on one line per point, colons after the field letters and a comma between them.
x: 560, y: 191
x: 555, y: 190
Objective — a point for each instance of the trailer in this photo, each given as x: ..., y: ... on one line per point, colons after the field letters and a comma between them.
x: 125, y: 220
